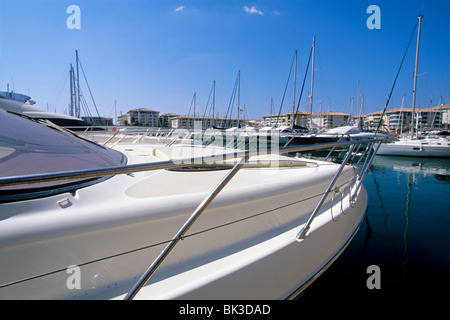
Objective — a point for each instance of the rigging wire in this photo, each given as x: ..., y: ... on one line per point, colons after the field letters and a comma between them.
x: 285, y: 89
x: 190, y: 107
x: 396, y: 77
x: 304, y: 80
x: 58, y: 90
x: 207, y: 103
x: 433, y: 56
x: 89, y: 88
x: 231, y: 103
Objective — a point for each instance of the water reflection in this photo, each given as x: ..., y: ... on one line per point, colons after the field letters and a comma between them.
x: 424, y: 166
x: 405, y: 233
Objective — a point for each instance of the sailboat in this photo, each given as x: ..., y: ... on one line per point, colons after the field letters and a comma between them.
x: 295, y: 134
x: 242, y: 135
x: 412, y: 146
x: 23, y: 105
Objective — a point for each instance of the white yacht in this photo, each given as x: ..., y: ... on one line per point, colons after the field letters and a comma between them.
x: 354, y: 133
x: 427, y: 147
x: 412, y: 146
x: 23, y: 105
x: 136, y: 219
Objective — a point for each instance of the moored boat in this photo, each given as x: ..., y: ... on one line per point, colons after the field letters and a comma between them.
x: 23, y: 105
x: 412, y: 146
x: 428, y: 147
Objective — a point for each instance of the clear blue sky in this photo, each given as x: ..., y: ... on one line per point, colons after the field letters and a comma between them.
x: 157, y: 53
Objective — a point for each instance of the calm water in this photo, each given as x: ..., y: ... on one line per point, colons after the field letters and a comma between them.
x: 405, y: 233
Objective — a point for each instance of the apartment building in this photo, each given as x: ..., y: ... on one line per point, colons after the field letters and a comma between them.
x: 330, y: 119
x: 189, y: 122
x: 301, y: 119
x: 399, y: 119
x: 165, y: 120
x: 323, y: 120
x: 139, y: 117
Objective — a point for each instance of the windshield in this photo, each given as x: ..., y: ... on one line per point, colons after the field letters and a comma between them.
x: 28, y: 147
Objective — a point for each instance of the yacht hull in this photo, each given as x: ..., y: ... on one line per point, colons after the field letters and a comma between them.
x: 97, y: 242
x: 278, y: 268
x: 437, y: 148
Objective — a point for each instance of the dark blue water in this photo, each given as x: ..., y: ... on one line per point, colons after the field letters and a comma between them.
x: 405, y: 234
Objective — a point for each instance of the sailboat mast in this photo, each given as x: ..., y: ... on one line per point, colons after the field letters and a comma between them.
x: 239, y: 94
x: 214, y: 104
x: 295, y: 85
x: 312, y: 78
x: 77, y: 105
x: 195, y: 98
x: 71, y: 90
x: 415, y: 77
x: 358, y: 103
x: 115, y: 111
x: 401, y: 114
x: 361, y: 121
x: 271, y: 105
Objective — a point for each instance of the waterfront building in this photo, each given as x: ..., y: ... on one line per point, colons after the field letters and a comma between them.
x: 139, y: 117
x: 330, y: 119
x: 323, y: 120
x: 301, y: 119
x: 373, y: 119
x: 399, y: 119
x: 165, y: 120
x: 445, y: 112
x: 435, y: 117
x: 189, y: 122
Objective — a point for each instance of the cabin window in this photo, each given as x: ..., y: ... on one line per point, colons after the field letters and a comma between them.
x: 29, y: 147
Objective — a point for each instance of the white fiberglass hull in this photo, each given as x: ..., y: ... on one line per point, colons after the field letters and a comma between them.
x: 97, y: 242
x: 416, y: 148
x: 278, y: 268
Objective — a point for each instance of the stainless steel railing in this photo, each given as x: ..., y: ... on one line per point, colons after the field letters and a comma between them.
x: 200, y: 209
x: 302, y: 234
x: 127, y: 169
x: 370, y: 152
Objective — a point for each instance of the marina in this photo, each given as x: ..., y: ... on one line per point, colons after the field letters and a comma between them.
x: 278, y: 209
x: 314, y: 205
x: 403, y: 231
